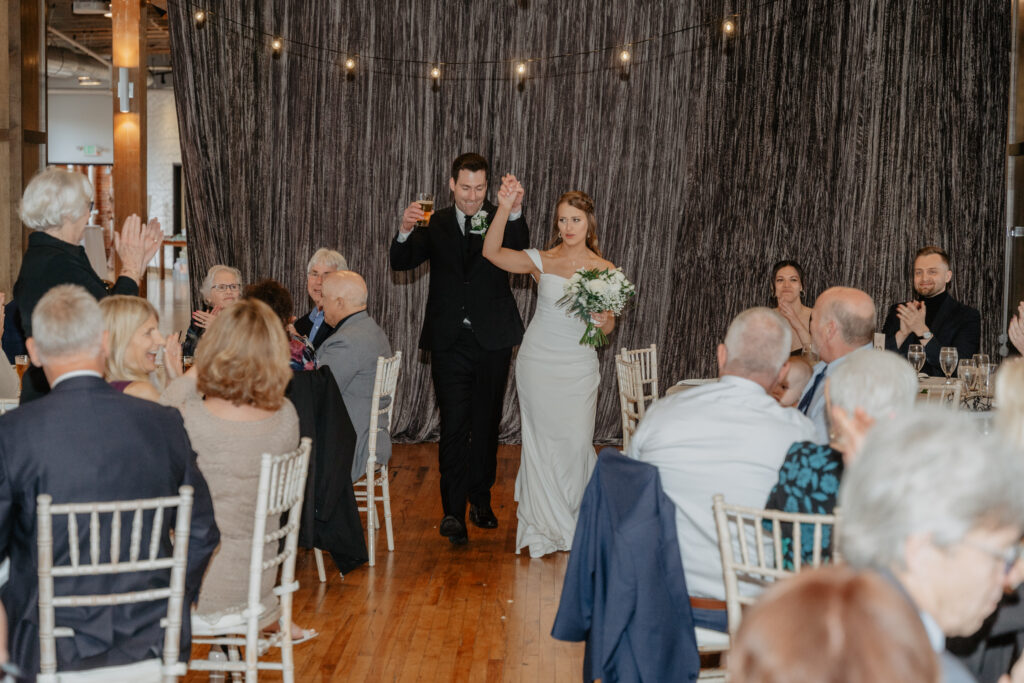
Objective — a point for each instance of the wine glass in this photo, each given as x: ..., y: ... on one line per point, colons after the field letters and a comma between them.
x: 966, y: 371
x: 980, y: 359
x: 947, y: 361
x: 915, y: 354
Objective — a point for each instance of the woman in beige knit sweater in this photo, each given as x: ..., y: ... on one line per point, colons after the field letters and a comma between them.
x: 235, y: 410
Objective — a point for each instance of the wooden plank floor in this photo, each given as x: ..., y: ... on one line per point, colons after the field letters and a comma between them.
x: 430, y: 611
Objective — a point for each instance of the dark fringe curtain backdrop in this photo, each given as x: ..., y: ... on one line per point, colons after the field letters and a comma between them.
x: 841, y: 134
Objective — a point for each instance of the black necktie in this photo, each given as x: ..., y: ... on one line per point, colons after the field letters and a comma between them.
x: 805, y: 404
x: 466, y: 228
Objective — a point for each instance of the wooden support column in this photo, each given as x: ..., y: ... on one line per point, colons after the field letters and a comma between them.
x: 10, y: 143
x: 129, y: 51
x: 22, y: 121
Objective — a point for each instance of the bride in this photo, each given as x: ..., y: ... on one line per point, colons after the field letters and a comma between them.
x: 556, y: 376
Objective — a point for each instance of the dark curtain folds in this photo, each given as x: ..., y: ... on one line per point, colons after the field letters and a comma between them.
x: 842, y: 134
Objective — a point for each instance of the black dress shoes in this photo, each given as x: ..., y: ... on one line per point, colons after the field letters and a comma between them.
x: 455, y: 529
x: 483, y: 516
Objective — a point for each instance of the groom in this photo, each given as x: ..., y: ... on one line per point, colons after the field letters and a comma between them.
x: 470, y: 327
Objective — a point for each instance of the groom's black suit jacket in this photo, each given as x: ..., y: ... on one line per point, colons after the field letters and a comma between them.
x: 463, y: 284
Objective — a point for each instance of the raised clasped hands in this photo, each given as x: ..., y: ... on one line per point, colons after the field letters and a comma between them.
x: 137, y: 244
x: 511, y: 185
x: 911, y: 315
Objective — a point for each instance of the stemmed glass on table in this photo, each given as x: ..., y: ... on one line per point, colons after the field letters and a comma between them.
x: 915, y: 354
x: 947, y: 361
x: 967, y: 371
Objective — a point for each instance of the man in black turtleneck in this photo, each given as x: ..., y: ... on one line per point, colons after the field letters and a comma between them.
x: 934, y: 319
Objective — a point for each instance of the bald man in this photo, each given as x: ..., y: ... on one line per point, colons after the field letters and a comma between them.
x: 351, y: 353
x: 843, y: 320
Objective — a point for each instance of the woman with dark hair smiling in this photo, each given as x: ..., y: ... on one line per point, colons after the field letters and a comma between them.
x: 787, y: 288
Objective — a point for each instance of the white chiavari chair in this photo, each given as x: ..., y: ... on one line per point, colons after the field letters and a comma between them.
x: 631, y: 401
x: 281, y: 488
x: 648, y: 360
x: 753, y: 555
x: 382, y: 406
x: 165, y: 669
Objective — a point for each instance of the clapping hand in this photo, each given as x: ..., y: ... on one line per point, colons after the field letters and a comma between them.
x: 1016, y: 328
x: 412, y: 214
x: 205, y: 318
x: 172, y: 356
x: 137, y: 244
x: 911, y: 315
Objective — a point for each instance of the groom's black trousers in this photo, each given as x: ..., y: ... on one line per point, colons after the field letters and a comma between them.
x: 469, y: 382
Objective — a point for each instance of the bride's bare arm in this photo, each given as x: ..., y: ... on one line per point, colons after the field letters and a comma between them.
x: 510, y: 260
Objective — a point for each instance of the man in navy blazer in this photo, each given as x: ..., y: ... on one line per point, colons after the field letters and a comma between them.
x: 472, y: 323
x: 934, y: 319
x: 86, y: 442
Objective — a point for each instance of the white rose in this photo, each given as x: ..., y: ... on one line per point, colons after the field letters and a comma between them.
x: 598, y: 287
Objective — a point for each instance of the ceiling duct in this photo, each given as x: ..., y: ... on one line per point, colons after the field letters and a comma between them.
x: 65, y: 63
x: 90, y: 7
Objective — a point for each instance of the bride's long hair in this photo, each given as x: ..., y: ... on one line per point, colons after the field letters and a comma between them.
x: 583, y: 202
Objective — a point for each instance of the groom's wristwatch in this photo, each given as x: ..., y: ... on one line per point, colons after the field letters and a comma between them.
x: 927, y: 335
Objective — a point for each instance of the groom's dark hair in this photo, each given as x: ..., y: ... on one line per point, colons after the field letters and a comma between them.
x: 471, y: 162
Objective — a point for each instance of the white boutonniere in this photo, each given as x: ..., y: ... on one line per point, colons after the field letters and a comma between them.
x: 478, y: 224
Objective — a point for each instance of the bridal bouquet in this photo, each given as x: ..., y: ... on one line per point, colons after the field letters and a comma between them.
x: 594, y: 291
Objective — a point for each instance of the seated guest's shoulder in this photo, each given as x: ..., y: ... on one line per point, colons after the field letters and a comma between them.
x: 180, y: 392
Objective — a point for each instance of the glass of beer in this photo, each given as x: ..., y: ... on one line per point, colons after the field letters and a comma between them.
x: 426, y: 202
x: 20, y: 365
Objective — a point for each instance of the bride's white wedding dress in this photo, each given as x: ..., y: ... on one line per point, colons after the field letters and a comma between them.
x: 557, y: 380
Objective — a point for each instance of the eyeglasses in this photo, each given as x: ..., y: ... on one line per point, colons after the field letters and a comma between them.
x: 226, y: 288
x: 1008, y: 557
x: 318, y: 276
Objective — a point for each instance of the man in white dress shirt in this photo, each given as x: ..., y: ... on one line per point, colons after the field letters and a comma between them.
x: 843, y: 321
x: 729, y: 437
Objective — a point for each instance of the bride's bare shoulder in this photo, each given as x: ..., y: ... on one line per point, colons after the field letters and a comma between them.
x: 604, y: 264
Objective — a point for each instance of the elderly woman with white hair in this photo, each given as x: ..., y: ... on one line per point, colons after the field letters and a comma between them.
x: 870, y: 385
x: 937, y: 508
x: 221, y: 287
x: 56, y: 207
x: 312, y: 325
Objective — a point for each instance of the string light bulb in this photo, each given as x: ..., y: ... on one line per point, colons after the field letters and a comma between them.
x: 729, y: 27
x: 435, y: 73
x: 350, y: 64
x: 624, y: 56
x: 277, y: 44
x: 199, y: 17
x: 521, y: 69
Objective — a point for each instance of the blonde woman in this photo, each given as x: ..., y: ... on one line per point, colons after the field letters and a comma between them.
x: 234, y: 408
x: 134, y: 337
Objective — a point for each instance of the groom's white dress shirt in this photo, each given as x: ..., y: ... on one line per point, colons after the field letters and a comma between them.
x: 729, y: 437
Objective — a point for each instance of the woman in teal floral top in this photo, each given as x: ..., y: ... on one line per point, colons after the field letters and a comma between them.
x: 865, y: 386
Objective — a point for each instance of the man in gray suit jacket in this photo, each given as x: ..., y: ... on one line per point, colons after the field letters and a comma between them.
x: 351, y: 353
